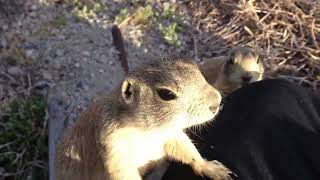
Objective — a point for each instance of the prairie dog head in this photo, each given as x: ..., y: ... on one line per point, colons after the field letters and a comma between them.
x: 243, y: 66
x: 168, y: 93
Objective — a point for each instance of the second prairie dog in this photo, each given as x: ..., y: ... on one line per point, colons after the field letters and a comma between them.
x: 140, y: 122
x: 228, y: 73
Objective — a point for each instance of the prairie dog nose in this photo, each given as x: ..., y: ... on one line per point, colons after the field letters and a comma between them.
x: 246, y: 79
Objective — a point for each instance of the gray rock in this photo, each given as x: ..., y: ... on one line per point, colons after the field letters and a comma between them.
x: 59, y: 52
x: 34, y: 7
x: 46, y: 75
x: 111, y: 62
x: 85, y: 53
x: 15, y: 71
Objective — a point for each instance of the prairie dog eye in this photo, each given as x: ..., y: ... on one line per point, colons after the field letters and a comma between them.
x: 166, y: 94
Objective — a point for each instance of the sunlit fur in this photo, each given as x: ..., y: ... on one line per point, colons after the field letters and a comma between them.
x: 227, y: 73
x: 121, y: 138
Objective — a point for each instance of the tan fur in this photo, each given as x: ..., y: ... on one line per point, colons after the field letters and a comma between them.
x: 226, y: 76
x: 125, y: 133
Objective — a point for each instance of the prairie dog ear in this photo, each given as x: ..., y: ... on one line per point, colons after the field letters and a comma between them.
x: 128, y: 92
x: 231, y: 59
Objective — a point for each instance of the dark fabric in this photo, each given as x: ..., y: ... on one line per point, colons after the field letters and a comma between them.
x: 267, y: 130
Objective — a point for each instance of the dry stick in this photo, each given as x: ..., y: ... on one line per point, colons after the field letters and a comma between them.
x: 195, y: 41
x: 118, y: 44
x: 314, y: 39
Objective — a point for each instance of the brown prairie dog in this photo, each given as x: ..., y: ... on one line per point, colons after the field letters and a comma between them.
x: 140, y: 122
x: 228, y: 73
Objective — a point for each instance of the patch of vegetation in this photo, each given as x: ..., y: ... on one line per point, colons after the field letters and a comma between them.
x: 172, y: 25
x: 83, y: 10
x: 124, y: 13
x: 168, y: 11
x: 59, y: 21
x: 170, y: 33
x: 143, y: 15
x: 23, y: 140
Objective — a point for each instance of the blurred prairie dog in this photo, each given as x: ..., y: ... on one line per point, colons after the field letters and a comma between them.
x: 228, y: 73
x: 140, y: 123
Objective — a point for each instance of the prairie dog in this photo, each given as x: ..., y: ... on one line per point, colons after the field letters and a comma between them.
x: 140, y: 122
x: 228, y: 73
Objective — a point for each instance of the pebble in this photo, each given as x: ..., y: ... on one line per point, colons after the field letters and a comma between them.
x: 33, y: 14
x: 34, y: 7
x: 61, y: 36
x: 3, y: 42
x: 46, y: 75
x: 101, y: 71
x: 29, y: 52
x: 162, y: 47
x: 59, y: 52
x: 85, y: 53
x: 56, y: 65
x: 103, y: 58
x: 5, y: 27
x: 15, y: 71
x: 111, y: 62
x: 77, y: 65
x: 85, y: 87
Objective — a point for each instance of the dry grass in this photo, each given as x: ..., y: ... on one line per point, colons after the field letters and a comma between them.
x: 286, y: 33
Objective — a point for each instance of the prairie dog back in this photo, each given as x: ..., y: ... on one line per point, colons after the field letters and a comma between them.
x: 141, y: 122
x: 228, y: 73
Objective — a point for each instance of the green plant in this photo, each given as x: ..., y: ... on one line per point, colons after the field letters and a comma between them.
x: 23, y: 140
x: 170, y: 33
x: 122, y: 15
x: 168, y: 11
x: 143, y: 15
x: 85, y: 10
x: 59, y: 21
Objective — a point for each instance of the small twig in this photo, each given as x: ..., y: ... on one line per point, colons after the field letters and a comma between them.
x: 29, y: 85
x: 300, y: 79
x: 314, y: 39
x: 6, y: 144
x: 195, y: 44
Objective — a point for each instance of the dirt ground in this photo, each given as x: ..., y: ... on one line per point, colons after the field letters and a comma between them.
x: 62, y: 49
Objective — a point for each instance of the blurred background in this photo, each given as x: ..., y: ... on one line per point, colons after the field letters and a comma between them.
x: 56, y: 55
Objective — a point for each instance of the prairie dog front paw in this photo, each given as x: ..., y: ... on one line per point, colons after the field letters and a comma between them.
x: 215, y: 170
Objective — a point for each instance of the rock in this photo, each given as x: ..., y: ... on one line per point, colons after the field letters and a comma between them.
x: 33, y: 14
x: 77, y: 65
x: 59, y: 52
x: 111, y: 63
x: 56, y: 65
x: 3, y: 43
x: 46, y: 75
x: 162, y: 47
x: 29, y: 52
x: 85, y: 53
x: 61, y: 36
x: 15, y: 71
x: 5, y: 27
x: 34, y: 7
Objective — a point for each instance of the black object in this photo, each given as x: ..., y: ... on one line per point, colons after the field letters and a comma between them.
x: 268, y: 130
x: 119, y: 45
